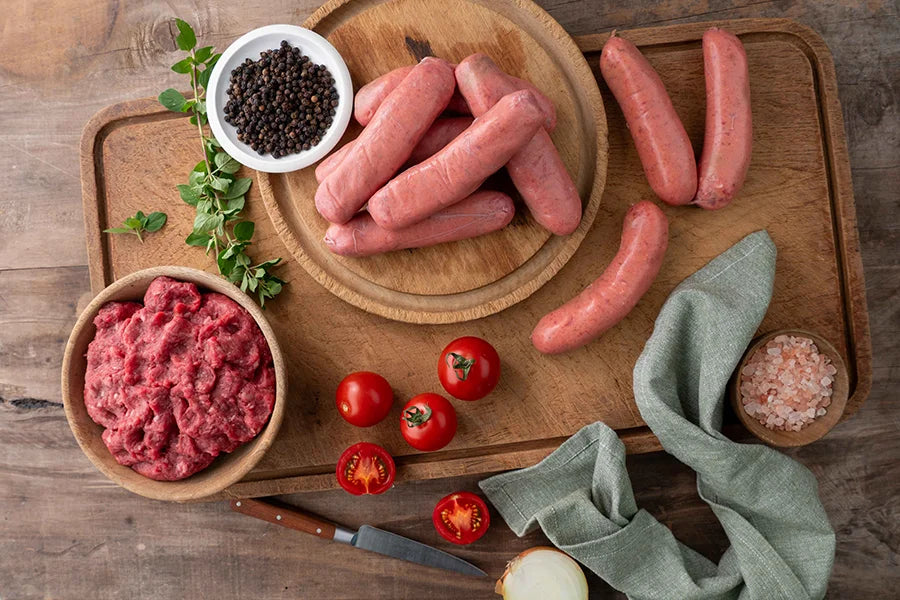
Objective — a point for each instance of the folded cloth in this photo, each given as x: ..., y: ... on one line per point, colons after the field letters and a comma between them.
x: 782, y: 545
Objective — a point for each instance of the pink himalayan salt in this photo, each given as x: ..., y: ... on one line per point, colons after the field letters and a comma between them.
x: 787, y: 383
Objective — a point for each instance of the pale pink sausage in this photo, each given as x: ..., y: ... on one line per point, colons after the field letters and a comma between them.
x: 458, y: 104
x: 605, y: 302
x: 371, y: 95
x: 662, y: 143
x: 461, y: 166
x: 536, y: 170
x: 330, y: 162
x: 729, y: 129
x: 438, y: 135
x: 480, y: 213
x: 388, y: 141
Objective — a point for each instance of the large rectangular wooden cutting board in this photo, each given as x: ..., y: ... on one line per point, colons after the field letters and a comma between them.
x: 133, y: 155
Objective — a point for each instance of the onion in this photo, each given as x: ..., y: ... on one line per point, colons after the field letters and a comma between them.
x: 542, y: 573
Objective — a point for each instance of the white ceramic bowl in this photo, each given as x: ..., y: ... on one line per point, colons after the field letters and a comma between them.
x: 249, y: 46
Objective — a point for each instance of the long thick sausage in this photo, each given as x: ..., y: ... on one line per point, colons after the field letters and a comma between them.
x: 462, y: 165
x: 662, y: 143
x: 480, y: 213
x: 536, y: 170
x: 370, y: 96
x: 605, y: 302
x: 729, y: 128
x: 438, y: 135
x: 387, y: 142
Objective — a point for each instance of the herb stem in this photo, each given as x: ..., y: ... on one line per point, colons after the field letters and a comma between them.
x: 195, y: 111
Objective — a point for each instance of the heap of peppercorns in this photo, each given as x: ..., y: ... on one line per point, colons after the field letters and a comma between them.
x: 282, y: 103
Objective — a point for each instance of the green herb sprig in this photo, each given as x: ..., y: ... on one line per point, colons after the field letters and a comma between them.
x: 140, y: 222
x: 212, y: 187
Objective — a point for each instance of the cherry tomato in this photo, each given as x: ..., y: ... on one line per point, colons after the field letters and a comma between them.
x: 469, y: 368
x: 364, y: 398
x: 365, y: 468
x: 461, y: 517
x: 428, y: 422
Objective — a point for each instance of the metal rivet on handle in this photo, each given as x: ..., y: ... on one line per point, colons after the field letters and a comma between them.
x: 278, y: 517
x: 318, y: 530
x: 238, y: 503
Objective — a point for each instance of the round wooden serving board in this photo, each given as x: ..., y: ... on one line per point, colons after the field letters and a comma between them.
x: 472, y: 278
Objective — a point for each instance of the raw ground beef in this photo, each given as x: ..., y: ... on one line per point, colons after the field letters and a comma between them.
x: 177, y: 381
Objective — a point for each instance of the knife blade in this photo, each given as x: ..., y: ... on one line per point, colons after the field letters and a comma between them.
x: 367, y: 538
x: 390, y: 544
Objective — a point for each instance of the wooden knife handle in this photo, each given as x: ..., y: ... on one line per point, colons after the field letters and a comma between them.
x: 286, y: 517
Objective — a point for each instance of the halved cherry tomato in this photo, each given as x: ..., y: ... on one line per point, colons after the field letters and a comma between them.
x: 469, y: 368
x: 428, y: 422
x: 365, y: 468
x: 364, y: 398
x: 461, y: 517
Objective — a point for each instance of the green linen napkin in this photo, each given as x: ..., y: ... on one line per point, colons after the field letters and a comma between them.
x: 782, y: 545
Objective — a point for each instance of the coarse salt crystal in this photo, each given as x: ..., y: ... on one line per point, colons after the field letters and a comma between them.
x: 787, y: 383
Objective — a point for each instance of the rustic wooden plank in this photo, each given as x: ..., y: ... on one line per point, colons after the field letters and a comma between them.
x: 68, y: 533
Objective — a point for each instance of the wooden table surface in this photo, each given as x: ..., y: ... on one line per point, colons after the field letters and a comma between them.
x: 67, y: 532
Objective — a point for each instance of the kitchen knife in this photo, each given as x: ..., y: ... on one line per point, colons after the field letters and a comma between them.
x: 367, y: 538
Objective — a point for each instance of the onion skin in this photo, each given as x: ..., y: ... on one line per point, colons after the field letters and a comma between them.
x: 542, y: 573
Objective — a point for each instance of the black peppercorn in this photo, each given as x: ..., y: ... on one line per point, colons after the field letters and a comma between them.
x: 282, y: 103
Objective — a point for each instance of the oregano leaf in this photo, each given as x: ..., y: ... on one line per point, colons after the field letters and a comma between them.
x: 198, y: 239
x: 155, y: 221
x: 239, y: 188
x: 183, y: 66
x: 172, y: 99
x: 203, y: 54
x: 186, y: 38
x: 244, y: 230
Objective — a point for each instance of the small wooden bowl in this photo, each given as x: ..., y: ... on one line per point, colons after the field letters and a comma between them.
x: 816, y: 429
x: 227, y: 468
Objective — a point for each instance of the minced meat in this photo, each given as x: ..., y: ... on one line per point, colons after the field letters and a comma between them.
x: 177, y: 381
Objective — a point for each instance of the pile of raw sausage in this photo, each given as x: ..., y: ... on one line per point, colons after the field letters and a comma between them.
x: 668, y: 160
x: 419, y: 175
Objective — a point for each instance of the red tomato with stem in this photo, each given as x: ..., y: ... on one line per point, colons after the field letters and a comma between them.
x: 461, y: 517
x: 365, y: 468
x: 469, y: 368
x: 428, y: 422
x: 364, y: 398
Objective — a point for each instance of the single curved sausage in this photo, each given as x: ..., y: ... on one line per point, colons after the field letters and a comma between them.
x: 536, y: 170
x: 370, y: 96
x: 444, y: 131
x: 461, y: 166
x: 438, y: 135
x: 458, y: 104
x: 388, y: 141
x: 605, y: 302
x: 662, y: 143
x: 729, y: 128
x: 480, y: 213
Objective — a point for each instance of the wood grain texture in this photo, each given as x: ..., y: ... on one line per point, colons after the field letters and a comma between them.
x: 471, y: 278
x: 106, y: 543
x: 793, y: 151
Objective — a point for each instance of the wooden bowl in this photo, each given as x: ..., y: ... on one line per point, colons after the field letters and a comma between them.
x: 821, y: 425
x: 227, y: 468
